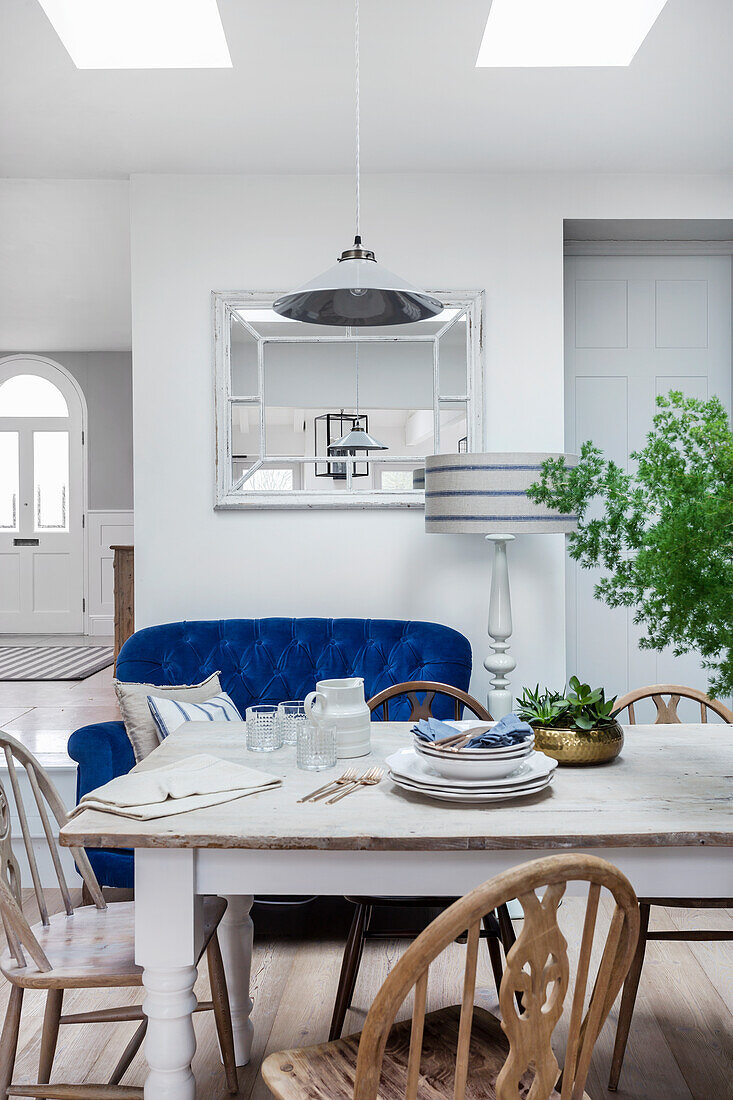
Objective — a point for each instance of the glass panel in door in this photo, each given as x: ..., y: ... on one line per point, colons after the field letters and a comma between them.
x: 51, y: 481
x: 9, y: 481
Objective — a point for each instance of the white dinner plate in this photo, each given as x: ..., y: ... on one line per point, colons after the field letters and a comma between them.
x: 407, y: 764
x: 467, y: 796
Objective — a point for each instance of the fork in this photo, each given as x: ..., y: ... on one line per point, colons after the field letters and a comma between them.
x: 348, y: 777
x: 368, y: 779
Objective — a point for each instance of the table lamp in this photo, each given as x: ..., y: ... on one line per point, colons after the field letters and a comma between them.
x: 486, y: 494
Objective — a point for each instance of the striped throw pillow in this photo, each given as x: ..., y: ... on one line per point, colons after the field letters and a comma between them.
x: 169, y: 714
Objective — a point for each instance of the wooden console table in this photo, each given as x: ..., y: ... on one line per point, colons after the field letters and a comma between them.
x: 124, y: 592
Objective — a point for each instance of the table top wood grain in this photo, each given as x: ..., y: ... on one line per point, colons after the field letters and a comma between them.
x: 672, y: 786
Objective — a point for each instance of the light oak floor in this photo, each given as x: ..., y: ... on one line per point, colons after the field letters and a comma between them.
x: 681, y: 1044
x: 42, y: 714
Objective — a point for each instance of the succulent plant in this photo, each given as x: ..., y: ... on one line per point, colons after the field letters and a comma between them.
x: 581, y: 707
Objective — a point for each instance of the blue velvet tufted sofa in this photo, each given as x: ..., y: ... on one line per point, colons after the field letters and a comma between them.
x: 265, y: 661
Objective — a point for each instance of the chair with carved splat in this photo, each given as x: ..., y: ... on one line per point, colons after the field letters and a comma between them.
x: 666, y: 714
x: 80, y: 948
x: 464, y: 1050
x: 667, y: 710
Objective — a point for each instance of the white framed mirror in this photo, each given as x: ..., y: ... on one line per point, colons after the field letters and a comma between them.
x: 286, y: 391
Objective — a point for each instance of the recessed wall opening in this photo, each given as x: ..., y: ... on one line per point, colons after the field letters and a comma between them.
x: 647, y: 311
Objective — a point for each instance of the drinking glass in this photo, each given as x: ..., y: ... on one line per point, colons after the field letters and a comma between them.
x: 291, y: 717
x: 316, y: 746
x: 263, y: 729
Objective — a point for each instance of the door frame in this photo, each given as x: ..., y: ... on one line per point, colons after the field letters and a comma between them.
x: 19, y: 357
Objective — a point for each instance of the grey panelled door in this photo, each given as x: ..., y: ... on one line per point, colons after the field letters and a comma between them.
x: 635, y: 327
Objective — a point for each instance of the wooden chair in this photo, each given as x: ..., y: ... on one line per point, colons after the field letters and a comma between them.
x: 666, y: 714
x: 667, y: 711
x: 87, y: 947
x: 465, y: 1050
x: 423, y: 709
x: 496, y: 926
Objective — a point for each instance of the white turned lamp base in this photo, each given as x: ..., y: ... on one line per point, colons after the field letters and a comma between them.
x: 499, y: 662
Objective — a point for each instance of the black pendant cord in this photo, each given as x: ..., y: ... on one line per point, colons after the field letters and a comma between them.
x: 357, y: 73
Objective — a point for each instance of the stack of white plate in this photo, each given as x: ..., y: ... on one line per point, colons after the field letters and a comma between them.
x: 457, y: 779
x: 480, y: 763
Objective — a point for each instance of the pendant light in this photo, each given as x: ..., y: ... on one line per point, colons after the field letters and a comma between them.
x: 357, y: 291
x: 357, y: 439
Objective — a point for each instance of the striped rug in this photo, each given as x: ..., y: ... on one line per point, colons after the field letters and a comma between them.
x: 59, y: 662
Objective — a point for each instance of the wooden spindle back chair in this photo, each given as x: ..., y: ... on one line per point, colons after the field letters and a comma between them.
x: 95, y: 949
x: 666, y: 714
x: 423, y: 708
x: 452, y: 1043
x: 667, y: 710
x: 421, y: 694
x: 46, y: 798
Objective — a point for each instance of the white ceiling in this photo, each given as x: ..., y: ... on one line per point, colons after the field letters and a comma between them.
x: 286, y: 106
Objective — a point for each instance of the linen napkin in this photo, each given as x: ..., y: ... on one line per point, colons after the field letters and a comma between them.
x: 189, y: 784
x: 510, y: 730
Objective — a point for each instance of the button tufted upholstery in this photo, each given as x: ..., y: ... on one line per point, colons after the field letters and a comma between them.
x: 266, y: 661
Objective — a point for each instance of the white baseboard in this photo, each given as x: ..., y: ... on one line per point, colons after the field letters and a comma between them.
x: 104, y: 529
x: 102, y: 626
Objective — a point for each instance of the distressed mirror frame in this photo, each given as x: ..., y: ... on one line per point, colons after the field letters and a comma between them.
x: 231, y: 493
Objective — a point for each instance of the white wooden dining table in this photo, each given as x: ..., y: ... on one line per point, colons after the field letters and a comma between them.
x: 661, y: 812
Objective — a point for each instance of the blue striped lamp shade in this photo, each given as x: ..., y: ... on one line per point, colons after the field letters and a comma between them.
x: 487, y: 493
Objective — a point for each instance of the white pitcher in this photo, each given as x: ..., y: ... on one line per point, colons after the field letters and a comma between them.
x: 342, y: 702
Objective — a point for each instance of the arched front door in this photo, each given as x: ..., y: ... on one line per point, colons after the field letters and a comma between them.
x: 42, y: 498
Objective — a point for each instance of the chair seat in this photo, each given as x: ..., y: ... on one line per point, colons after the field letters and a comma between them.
x: 92, y: 948
x: 326, y: 1072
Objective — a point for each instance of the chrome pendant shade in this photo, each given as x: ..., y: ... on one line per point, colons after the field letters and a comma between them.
x: 357, y: 440
x: 357, y: 292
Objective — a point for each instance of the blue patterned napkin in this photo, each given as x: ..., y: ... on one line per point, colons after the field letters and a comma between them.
x: 510, y: 730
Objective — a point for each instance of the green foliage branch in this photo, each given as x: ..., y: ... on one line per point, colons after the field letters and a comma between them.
x: 663, y: 533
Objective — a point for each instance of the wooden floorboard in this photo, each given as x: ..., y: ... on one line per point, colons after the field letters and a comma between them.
x: 680, y: 1048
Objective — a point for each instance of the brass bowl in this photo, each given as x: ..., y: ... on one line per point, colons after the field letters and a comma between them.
x: 579, y: 747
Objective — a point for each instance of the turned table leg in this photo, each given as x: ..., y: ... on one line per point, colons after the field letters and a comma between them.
x: 235, y: 938
x: 168, y: 932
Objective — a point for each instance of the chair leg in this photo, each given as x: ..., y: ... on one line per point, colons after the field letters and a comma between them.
x: 492, y: 942
x: 50, y: 1034
x: 628, y: 998
x: 9, y: 1039
x: 508, y: 939
x: 222, y: 1011
x: 349, y: 969
x: 86, y: 897
x: 508, y: 936
x: 129, y: 1053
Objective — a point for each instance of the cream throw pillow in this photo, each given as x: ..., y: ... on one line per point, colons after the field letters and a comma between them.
x: 133, y: 699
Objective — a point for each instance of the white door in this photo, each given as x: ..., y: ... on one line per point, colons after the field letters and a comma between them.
x: 41, y: 498
x: 635, y: 327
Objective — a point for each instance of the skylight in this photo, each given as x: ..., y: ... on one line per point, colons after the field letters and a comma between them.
x: 140, y: 34
x: 557, y: 33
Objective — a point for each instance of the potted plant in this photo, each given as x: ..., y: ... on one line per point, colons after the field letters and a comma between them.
x: 662, y: 534
x: 578, y: 727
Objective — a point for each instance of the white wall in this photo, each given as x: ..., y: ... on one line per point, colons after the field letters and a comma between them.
x: 64, y: 263
x: 192, y: 235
